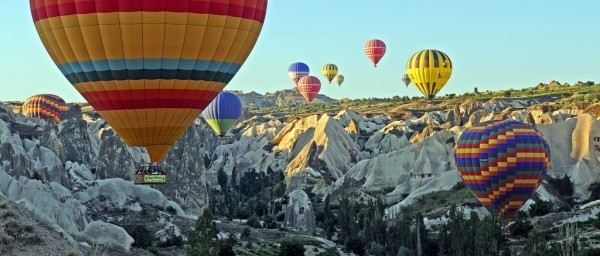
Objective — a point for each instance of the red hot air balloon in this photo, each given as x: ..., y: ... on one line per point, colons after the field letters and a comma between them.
x: 375, y: 49
x: 309, y: 87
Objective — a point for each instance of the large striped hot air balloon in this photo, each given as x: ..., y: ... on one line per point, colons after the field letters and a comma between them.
x: 45, y: 107
x: 309, y: 87
x: 329, y: 71
x: 223, y: 113
x: 339, y: 80
x: 298, y: 70
x: 406, y: 79
x: 429, y: 71
x: 375, y: 50
x: 502, y: 163
x: 149, y: 67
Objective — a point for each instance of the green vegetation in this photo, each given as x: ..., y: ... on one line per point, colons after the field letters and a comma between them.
x: 291, y: 248
x: 202, y: 240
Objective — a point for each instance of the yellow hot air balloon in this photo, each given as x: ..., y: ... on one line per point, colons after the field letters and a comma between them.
x: 149, y: 67
x: 429, y: 70
x: 330, y: 71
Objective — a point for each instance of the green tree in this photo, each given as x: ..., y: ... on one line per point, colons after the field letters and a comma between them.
x: 226, y: 250
x: 142, y: 237
x: 328, y: 220
x: 246, y: 233
x: 507, y: 94
x: 222, y: 178
x: 202, y: 240
x: 540, y: 208
x: 291, y: 248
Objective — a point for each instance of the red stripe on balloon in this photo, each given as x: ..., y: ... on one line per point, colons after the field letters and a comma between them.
x: 49, y: 9
x: 152, y: 98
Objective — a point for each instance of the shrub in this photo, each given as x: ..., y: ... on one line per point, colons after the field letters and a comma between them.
x: 291, y: 248
x: 253, y: 222
x: 172, y: 241
x: 142, y: 237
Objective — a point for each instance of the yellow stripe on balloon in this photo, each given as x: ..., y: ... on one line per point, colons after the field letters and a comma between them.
x: 75, y: 42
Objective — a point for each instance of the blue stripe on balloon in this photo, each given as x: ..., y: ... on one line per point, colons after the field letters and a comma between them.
x: 138, y: 64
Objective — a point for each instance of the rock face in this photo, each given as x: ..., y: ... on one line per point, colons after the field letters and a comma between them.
x: 52, y: 202
x: 186, y: 173
x: 114, y: 160
x: 321, y: 144
x: 454, y: 116
x: 572, y: 153
x: 105, y: 233
x: 77, y: 143
x: 49, y: 139
x: 405, y: 169
x: 299, y: 212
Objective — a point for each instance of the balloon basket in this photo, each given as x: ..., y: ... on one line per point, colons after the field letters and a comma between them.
x: 150, y: 174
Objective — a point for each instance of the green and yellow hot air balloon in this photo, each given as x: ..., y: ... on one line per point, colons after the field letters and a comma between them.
x: 429, y: 71
x: 330, y: 71
x: 339, y: 79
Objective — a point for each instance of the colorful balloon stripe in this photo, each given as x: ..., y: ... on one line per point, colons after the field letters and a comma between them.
x: 151, y: 98
x: 44, y: 107
x: 44, y: 9
x: 149, y: 67
x: 502, y: 163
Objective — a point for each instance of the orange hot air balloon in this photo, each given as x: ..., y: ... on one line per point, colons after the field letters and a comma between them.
x: 375, y: 50
x: 309, y: 87
x: 45, y: 107
x: 149, y: 67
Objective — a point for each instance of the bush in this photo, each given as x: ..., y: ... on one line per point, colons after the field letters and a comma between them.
x: 172, y: 241
x: 253, y: 222
x: 520, y: 228
x: 291, y: 248
x: 540, y: 208
x: 507, y: 94
x: 226, y: 250
x: 246, y: 233
x: 142, y: 237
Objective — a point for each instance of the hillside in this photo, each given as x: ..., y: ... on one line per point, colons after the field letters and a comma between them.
x: 332, y: 176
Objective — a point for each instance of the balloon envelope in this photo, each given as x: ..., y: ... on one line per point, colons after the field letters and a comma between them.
x: 330, y: 71
x: 339, y: 79
x: 375, y: 50
x: 45, y: 107
x: 149, y: 67
x: 223, y: 112
x: 406, y: 79
x: 502, y: 163
x: 298, y: 70
x: 429, y: 71
x: 309, y: 87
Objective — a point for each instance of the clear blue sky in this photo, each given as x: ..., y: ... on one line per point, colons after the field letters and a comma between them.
x: 493, y: 44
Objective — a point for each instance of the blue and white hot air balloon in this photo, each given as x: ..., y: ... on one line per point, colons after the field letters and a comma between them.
x: 297, y: 71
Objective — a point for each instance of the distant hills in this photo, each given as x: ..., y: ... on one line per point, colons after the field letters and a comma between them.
x: 286, y: 97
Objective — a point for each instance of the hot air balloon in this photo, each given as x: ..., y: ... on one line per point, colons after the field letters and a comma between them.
x: 502, y: 163
x: 429, y: 71
x: 149, y: 67
x: 375, y: 50
x: 309, y: 87
x: 330, y: 71
x: 45, y: 107
x: 406, y: 79
x: 298, y: 70
x: 339, y: 79
x: 223, y: 112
